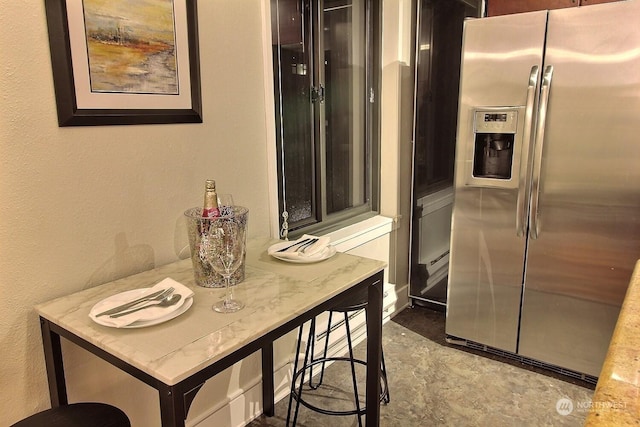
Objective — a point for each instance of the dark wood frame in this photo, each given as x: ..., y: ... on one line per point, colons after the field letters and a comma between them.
x: 68, y: 112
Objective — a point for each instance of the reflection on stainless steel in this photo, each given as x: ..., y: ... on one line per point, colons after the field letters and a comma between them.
x: 540, y: 262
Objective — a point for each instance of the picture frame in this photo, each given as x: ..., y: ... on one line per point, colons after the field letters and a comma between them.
x: 112, y: 66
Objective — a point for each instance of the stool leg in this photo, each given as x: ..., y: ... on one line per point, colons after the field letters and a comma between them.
x: 312, y: 329
x: 353, y: 369
x: 295, y: 369
x: 311, y: 349
x: 324, y: 356
x: 385, y: 397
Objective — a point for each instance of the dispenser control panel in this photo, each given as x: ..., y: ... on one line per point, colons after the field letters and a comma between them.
x: 503, y: 121
x: 494, y: 146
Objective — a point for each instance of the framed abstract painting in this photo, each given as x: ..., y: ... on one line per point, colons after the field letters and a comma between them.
x: 118, y: 62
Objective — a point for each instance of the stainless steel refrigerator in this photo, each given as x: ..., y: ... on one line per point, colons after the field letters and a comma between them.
x: 546, y: 216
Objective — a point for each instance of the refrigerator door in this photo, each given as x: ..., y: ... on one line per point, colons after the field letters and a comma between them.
x: 501, y: 60
x: 585, y: 216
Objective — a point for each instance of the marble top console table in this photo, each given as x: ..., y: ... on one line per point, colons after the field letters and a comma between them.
x: 616, y: 400
x: 177, y: 357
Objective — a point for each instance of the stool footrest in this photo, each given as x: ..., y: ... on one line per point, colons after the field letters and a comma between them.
x: 310, y: 361
x: 363, y: 410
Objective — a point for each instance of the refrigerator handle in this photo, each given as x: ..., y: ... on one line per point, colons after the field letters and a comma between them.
x: 534, y: 231
x: 521, y: 208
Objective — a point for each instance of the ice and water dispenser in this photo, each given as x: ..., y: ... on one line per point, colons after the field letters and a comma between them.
x: 496, y: 148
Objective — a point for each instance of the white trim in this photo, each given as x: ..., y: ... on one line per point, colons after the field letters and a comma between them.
x: 354, y: 235
x: 270, y: 119
x: 434, y: 201
x: 245, y: 405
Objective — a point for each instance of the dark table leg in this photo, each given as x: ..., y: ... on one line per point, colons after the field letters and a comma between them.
x: 374, y: 351
x: 171, y: 407
x: 268, y: 398
x: 54, y: 365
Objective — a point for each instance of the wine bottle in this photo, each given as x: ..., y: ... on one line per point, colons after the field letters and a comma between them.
x: 210, y: 208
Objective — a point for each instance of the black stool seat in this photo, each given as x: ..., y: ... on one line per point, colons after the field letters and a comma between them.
x: 78, y: 415
x: 357, y: 303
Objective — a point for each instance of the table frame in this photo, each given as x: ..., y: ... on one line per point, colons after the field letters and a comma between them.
x: 176, y: 399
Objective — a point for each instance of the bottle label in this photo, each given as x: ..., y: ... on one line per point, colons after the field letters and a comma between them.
x: 211, y: 212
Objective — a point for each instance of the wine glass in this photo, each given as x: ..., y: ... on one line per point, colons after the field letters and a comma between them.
x: 225, y: 204
x: 226, y: 252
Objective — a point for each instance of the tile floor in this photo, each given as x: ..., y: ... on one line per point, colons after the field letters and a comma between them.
x: 433, y: 383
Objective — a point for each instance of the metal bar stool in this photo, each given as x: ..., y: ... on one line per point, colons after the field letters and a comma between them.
x: 78, y: 415
x: 310, y: 361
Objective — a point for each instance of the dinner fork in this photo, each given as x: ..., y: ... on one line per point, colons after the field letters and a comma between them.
x: 130, y: 304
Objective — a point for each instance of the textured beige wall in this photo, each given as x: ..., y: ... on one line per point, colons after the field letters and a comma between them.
x: 80, y: 206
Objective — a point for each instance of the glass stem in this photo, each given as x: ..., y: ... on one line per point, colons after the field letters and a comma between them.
x: 229, y: 295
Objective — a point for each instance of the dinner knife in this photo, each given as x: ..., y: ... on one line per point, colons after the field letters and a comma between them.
x: 132, y: 303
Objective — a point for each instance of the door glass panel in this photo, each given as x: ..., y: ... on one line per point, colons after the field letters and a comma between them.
x: 424, y: 159
x: 438, y: 74
x: 321, y: 81
x: 345, y: 103
x: 294, y: 127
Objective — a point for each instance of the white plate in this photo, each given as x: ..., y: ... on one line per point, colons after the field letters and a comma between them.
x: 123, y: 297
x: 327, y: 253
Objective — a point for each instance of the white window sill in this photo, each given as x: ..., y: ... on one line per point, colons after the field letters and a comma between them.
x: 361, y: 232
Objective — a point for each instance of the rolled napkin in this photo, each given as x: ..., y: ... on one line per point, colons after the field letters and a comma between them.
x: 311, y: 252
x: 150, y: 313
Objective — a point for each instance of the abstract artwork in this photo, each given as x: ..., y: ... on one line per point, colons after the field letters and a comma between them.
x: 135, y: 52
x: 125, y: 61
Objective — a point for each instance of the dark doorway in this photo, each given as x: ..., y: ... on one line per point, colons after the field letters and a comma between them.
x: 438, y: 51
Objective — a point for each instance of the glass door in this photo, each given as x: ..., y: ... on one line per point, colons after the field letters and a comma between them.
x: 438, y: 51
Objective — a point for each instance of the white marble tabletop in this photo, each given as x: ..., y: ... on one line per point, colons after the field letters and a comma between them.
x: 274, y: 292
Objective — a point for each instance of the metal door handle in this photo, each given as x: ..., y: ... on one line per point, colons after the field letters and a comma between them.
x: 534, y: 230
x: 317, y: 94
x: 521, y: 206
